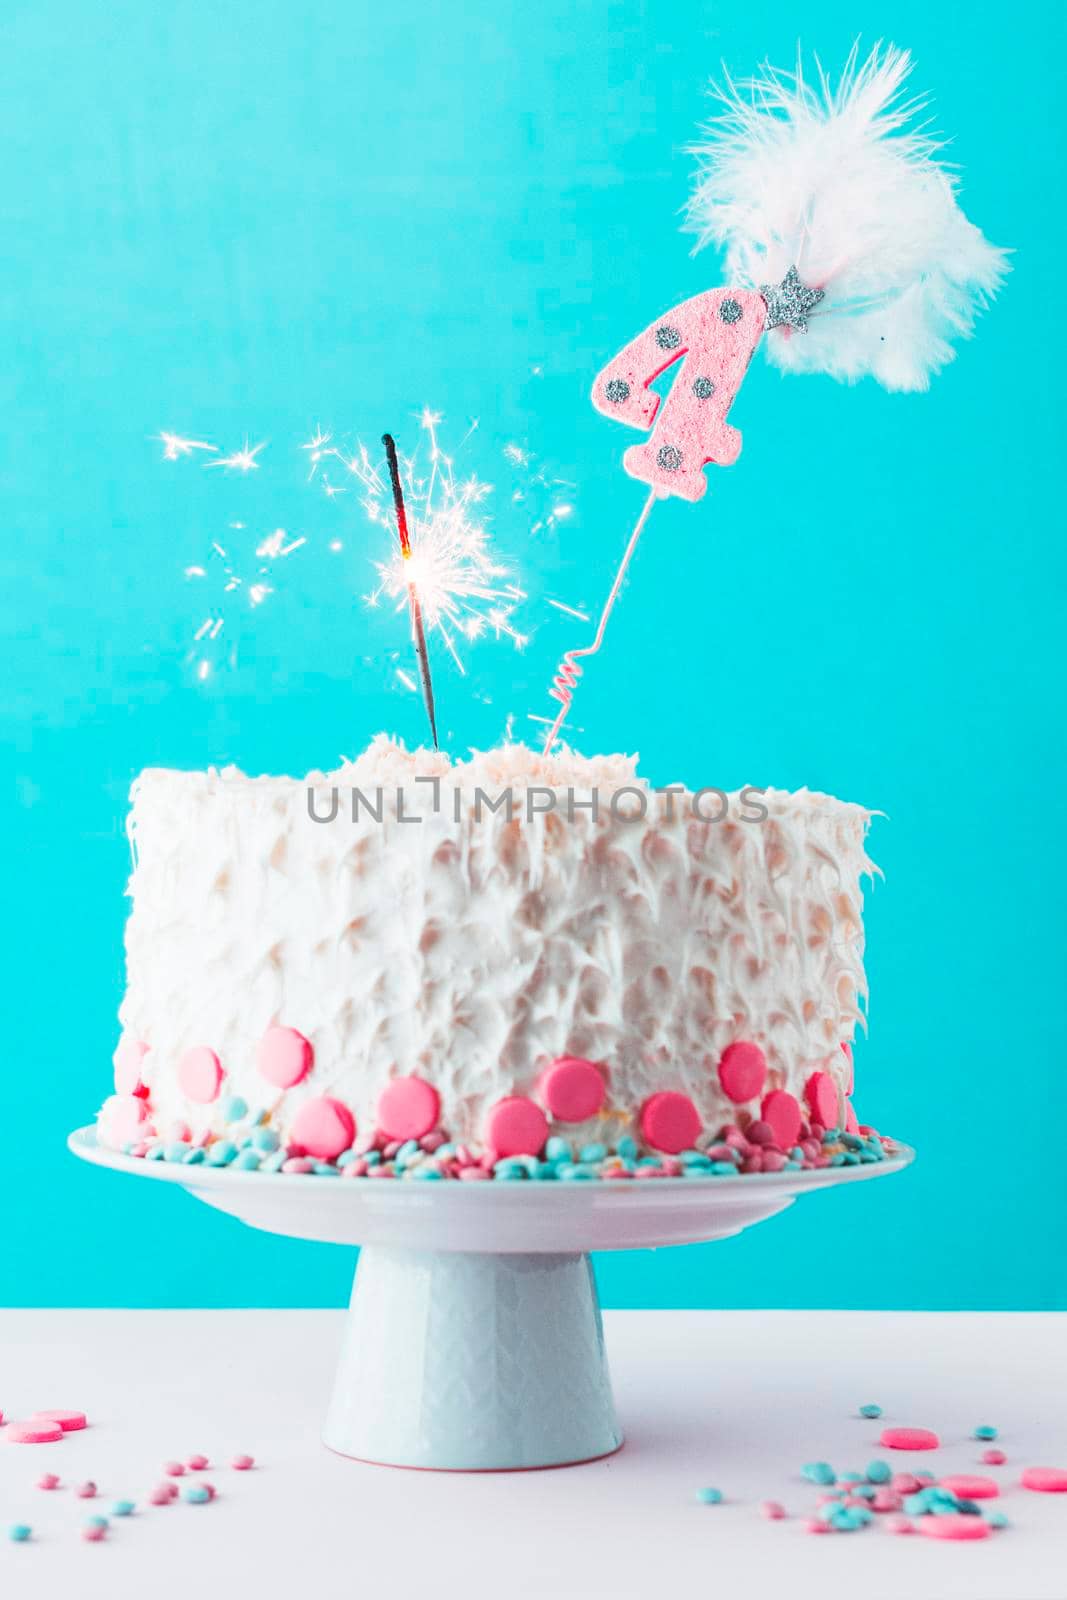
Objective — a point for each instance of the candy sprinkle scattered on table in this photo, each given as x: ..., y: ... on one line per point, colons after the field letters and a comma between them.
x: 772, y: 1510
x: 871, y: 1412
x: 86, y: 1491
x: 68, y: 1421
x: 34, y: 1431
x: 122, y: 1508
x: 48, y: 1480
x: 709, y: 1497
x: 1046, y: 1480
x: 985, y: 1431
x: 909, y: 1439
x: 174, y: 1469
x: 197, y: 1494
x: 818, y: 1472
x: 197, y: 1463
x: 993, y: 1458
x: 19, y: 1532
x: 242, y: 1463
x: 954, y: 1527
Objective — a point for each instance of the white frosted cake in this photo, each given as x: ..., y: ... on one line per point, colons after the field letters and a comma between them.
x: 378, y: 971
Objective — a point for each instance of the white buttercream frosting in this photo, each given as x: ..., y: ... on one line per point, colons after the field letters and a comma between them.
x: 473, y: 950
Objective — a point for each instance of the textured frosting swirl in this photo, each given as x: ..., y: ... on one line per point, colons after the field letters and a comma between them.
x: 448, y: 941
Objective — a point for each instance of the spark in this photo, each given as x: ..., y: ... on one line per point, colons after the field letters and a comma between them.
x: 243, y: 460
x: 464, y: 591
x: 196, y: 572
x: 516, y: 455
x: 174, y: 445
x: 569, y: 611
x: 274, y: 546
x: 407, y: 680
x: 317, y: 448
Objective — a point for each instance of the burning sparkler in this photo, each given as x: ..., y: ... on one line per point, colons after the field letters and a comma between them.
x: 418, y: 631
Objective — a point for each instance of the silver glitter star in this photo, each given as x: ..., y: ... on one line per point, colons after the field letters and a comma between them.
x: 789, y: 302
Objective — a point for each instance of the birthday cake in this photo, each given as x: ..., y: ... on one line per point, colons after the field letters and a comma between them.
x: 518, y: 965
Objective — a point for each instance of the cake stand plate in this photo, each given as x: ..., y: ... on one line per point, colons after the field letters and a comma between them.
x: 474, y: 1338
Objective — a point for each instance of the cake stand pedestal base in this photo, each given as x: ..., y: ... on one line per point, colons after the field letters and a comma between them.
x: 469, y: 1361
x: 473, y: 1339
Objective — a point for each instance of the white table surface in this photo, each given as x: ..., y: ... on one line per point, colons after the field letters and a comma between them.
x: 734, y: 1399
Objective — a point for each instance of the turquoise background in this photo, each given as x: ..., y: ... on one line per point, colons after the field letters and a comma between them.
x: 257, y: 218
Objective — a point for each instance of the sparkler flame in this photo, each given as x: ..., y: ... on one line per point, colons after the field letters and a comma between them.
x: 464, y: 592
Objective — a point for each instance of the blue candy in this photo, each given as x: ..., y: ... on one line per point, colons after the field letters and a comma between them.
x: 273, y: 1163
x: 870, y: 1411
x: 193, y: 1157
x: 572, y: 1172
x: 626, y: 1147
x: 19, y: 1532
x: 221, y: 1153
x: 247, y: 1160
x: 196, y: 1495
x: 510, y: 1170
x: 176, y: 1150
x: 878, y: 1472
x: 234, y: 1108
x: 592, y: 1153
x: 558, y: 1149
x: 97, y: 1522
x: 123, y: 1508
x: 154, y: 1153
x: 321, y: 1169
x: 818, y: 1472
x: 986, y: 1431
x: 425, y: 1172
x: 997, y: 1519
x: 709, y: 1497
x: 266, y: 1140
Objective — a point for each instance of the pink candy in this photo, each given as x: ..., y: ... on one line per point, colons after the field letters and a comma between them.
x: 899, y: 1525
x: 742, y: 1071
x: 966, y: 1486
x: 48, y: 1480
x: 772, y: 1510
x: 86, y: 1491
x: 69, y: 1421
x: 820, y: 1092
x: 408, y: 1108
x: 200, y: 1074
x: 127, y: 1060
x: 197, y: 1463
x: 516, y: 1126
x: 952, y: 1527
x: 1046, y: 1480
x: 323, y: 1127
x: 242, y: 1463
x: 816, y: 1525
x: 122, y: 1120
x: 174, y: 1469
x: 284, y: 1057
x: 782, y: 1112
x: 993, y: 1458
x: 94, y: 1532
x: 909, y: 1439
x: 161, y: 1495
x: 38, y: 1430
x: 573, y: 1089
x: 670, y: 1122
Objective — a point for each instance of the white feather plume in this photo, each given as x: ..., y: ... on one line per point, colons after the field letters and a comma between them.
x: 833, y: 181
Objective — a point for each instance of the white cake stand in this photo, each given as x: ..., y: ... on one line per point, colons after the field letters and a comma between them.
x: 474, y: 1339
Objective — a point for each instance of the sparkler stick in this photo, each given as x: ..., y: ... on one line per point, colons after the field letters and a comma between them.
x: 566, y: 679
x: 418, y: 632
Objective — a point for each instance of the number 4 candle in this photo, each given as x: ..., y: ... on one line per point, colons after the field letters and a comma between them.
x: 846, y: 253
